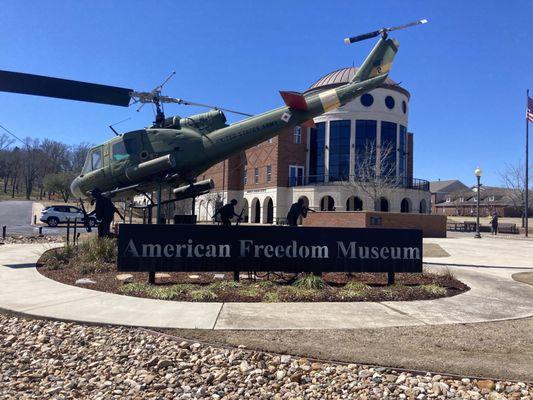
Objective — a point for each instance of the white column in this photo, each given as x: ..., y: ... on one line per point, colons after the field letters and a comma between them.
x: 352, y: 147
x: 326, y: 152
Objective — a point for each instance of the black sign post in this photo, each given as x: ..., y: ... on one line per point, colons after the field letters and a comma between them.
x: 202, y: 248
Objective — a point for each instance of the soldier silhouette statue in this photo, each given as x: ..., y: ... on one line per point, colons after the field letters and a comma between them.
x: 227, y: 212
x: 104, y: 210
x: 297, y: 210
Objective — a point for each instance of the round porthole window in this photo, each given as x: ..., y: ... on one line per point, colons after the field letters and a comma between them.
x: 404, y: 107
x: 367, y: 100
x: 389, y: 102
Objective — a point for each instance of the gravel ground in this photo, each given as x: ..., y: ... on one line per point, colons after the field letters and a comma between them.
x: 45, y: 359
x: 494, y: 349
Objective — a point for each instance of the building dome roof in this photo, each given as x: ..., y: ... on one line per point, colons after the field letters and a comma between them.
x: 345, y: 75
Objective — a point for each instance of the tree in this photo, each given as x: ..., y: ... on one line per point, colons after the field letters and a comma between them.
x: 375, y: 172
x: 77, y: 156
x: 59, y: 183
x: 513, y: 178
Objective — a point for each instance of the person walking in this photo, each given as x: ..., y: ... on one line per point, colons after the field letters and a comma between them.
x: 494, y: 223
x: 227, y: 212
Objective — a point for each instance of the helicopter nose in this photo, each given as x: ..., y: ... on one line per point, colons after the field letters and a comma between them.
x: 75, y: 188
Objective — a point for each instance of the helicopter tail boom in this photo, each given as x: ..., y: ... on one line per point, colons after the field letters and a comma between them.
x: 379, y: 61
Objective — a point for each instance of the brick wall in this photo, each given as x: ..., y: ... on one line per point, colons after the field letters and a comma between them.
x: 431, y: 225
x: 290, y: 153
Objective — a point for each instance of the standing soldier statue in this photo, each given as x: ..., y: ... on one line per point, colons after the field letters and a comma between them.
x: 227, y: 212
x: 297, y: 209
x: 104, y: 211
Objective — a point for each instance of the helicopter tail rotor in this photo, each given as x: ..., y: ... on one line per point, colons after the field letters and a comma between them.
x: 383, y: 32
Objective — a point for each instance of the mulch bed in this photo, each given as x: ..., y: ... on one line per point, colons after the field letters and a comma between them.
x: 407, y: 287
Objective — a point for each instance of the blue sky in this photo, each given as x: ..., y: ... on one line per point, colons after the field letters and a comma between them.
x: 467, y: 70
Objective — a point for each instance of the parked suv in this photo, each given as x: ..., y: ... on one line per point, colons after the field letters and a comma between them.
x: 54, y: 215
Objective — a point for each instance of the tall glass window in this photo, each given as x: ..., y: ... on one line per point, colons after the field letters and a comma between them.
x: 339, y: 150
x: 365, y: 143
x: 403, y: 152
x: 317, y: 144
x: 388, y: 148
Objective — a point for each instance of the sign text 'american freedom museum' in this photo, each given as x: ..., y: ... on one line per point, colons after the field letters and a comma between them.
x: 145, y: 248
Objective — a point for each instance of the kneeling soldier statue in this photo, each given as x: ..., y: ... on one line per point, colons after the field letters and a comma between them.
x: 227, y: 212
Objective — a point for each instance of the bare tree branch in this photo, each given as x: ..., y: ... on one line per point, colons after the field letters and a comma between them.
x: 375, y: 172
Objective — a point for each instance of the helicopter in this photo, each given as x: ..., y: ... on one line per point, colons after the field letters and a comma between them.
x: 174, y: 151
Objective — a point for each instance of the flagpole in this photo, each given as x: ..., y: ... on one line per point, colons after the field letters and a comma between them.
x: 526, y: 200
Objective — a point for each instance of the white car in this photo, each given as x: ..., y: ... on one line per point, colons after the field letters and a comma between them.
x: 54, y: 215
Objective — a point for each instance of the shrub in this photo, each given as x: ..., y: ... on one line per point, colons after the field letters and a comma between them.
x: 223, y: 285
x: 265, y: 284
x: 202, y: 294
x: 310, y: 282
x: 434, y: 289
x: 271, y: 297
x: 102, y: 250
x: 134, y: 288
x: 354, y: 290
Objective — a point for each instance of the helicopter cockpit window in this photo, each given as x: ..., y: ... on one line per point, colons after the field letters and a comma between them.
x: 119, y: 151
x: 96, y: 159
x: 93, y: 161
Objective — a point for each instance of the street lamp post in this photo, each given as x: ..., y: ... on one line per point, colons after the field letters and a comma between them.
x: 478, y: 173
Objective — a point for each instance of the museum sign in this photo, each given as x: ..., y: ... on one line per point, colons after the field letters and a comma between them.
x: 268, y: 248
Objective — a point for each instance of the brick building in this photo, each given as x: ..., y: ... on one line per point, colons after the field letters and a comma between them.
x: 463, y: 202
x: 318, y: 163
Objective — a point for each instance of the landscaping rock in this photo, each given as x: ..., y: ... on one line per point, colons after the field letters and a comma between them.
x: 84, y: 281
x: 125, y: 277
x: 52, y: 359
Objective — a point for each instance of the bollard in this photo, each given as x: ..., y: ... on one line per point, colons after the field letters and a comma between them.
x: 35, y: 220
x: 4, y: 231
x: 75, y: 230
x: 40, y: 231
x: 151, y: 278
x: 390, y: 278
x: 68, y: 231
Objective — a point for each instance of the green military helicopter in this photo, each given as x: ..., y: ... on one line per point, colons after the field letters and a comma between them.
x: 174, y: 151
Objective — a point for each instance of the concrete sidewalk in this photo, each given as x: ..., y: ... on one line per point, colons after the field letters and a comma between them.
x: 494, y: 296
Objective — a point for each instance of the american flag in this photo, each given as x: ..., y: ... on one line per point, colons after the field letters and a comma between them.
x: 529, y: 113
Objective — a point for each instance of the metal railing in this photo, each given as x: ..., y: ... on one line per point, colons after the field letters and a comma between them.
x: 405, y: 183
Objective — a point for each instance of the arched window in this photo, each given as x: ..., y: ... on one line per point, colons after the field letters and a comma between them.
x: 246, y: 211
x: 256, y: 211
x: 382, y: 204
x: 354, y: 203
x: 268, y: 210
x: 423, y: 207
x: 405, y: 205
x: 327, y: 204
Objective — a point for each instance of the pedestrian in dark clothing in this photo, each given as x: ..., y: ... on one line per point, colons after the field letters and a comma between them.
x: 494, y: 223
x: 104, y: 211
x: 227, y: 212
x: 297, y: 209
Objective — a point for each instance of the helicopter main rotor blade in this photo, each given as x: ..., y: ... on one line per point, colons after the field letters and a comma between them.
x: 38, y: 85
x: 191, y: 103
x: 359, y: 38
x: 383, y: 31
x: 419, y: 22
